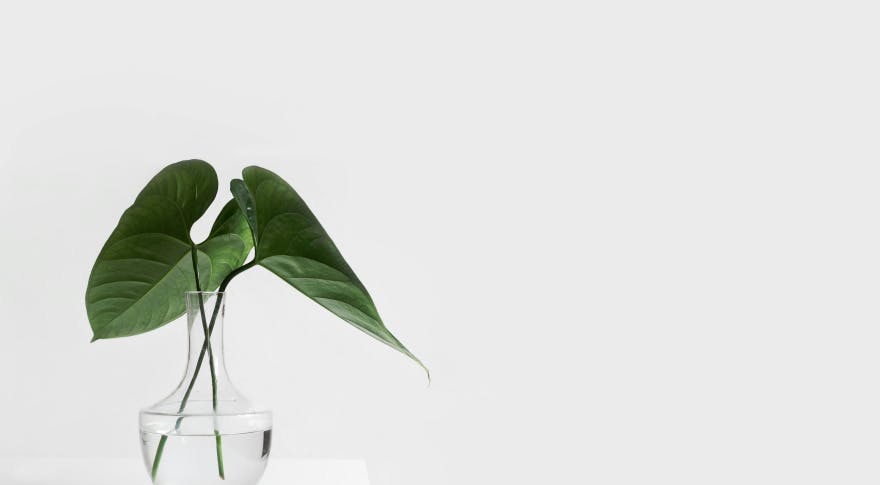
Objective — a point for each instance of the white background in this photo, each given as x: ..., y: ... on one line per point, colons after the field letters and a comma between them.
x: 636, y: 242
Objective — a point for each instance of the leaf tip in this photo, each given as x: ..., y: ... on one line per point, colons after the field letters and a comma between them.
x: 427, y: 374
x: 423, y: 366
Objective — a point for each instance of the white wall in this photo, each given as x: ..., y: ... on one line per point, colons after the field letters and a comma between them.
x: 636, y: 242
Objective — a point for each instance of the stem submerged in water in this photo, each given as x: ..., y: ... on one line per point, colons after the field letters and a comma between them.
x: 219, y: 455
x: 158, y: 457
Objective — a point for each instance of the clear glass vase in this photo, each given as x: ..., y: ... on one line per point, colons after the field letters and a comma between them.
x: 205, y: 432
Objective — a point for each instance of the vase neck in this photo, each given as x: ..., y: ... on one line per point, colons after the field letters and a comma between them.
x: 205, y: 315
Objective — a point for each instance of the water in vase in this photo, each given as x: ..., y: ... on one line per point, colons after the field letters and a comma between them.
x: 192, y: 459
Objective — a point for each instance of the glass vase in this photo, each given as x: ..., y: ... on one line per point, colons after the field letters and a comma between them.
x: 205, y: 432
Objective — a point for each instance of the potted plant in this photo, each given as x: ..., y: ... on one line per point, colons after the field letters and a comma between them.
x: 150, y: 272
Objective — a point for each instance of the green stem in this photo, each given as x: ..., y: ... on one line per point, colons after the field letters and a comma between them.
x: 210, y: 359
x: 158, y: 457
x: 205, y: 345
x: 219, y: 455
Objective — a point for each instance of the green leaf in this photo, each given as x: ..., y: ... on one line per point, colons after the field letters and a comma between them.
x: 138, y: 279
x: 293, y: 245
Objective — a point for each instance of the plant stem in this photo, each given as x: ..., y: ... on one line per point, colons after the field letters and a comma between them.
x: 219, y: 455
x: 210, y: 361
x: 205, y: 346
x: 158, y: 457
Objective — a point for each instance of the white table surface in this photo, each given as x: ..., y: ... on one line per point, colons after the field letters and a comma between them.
x: 281, y: 471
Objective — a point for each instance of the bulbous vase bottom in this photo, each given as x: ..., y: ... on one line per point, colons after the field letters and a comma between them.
x: 192, y: 459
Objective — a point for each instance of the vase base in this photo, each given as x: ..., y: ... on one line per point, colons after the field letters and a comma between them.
x: 193, y: 459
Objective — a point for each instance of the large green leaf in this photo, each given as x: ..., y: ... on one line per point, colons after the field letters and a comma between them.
x: 137, y: 281
x: 228, y: 245
x: 293, y: 245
